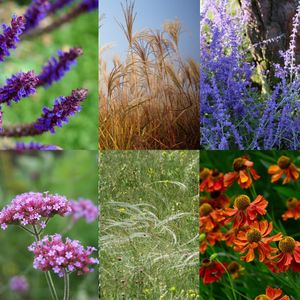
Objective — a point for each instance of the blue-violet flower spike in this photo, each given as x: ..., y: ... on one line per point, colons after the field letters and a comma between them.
x: 19, y: 86
x: 55, y: 69
x: 11, y: 35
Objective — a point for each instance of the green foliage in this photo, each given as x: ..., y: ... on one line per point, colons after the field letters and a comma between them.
x: 149, y: 224
x: 64, y: 173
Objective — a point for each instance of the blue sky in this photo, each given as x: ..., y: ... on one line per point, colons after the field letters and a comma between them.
x: 150, y: 14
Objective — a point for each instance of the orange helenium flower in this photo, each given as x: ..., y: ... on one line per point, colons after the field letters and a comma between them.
x: 272, y: 294
x: 289, y: 255
x: 211, y: 180
x: 209, y: 218
x: 293, y: 211
x: 244, y: 211
x: 243, y: 173
x: 211, y: 271
x: 256, y: 238
x: 235, y: 269
x: 210, y: 238
x: 284, y: 167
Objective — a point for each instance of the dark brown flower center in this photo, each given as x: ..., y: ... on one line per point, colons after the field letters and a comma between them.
x: 215, y: 173
x: 262, y: 297
x: 253, y: 236
x: 287, y: 244
x: 206, y: 262
x: 233, y: 267
x: 239, y: 164
x: 292, y: 203
x: 284, y: 162
x: 215, y: 194
x: 204, y: 174
x: 205, y: 209
x: 242, y: 202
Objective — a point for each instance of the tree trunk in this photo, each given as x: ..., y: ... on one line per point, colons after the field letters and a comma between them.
x: 269, y: 19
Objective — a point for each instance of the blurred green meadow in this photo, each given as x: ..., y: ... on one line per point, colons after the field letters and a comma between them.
x: 59, y: 172
x: 82, y: 32
x: 149, y: 225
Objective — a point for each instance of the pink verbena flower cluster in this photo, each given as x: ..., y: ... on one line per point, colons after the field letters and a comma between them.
x: 51, y: 253
x: 30, y: 208
x: 84, y: 208
x: 19, y: 284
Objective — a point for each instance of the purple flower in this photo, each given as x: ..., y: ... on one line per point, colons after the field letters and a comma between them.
x: 19, y: 284
x: 11, y: 35
x: 35, y: 13
x: 69, y: 255
x: 30, y: 208
x: 89, y: 5
x: 55, y: 69
x: 62, y: 109
x: 20, y: 85
x: 58, y: 4
x: 84, y: 208
x: 20, y: 146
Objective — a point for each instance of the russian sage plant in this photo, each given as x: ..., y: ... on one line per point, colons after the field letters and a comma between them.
x: 235, y: 114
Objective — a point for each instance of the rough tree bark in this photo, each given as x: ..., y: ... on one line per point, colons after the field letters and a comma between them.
x: 270, y: 19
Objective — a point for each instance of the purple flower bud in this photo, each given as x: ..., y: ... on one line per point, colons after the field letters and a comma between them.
x: 35, y: 13
x: 19, y: 86
x: 89, y: 5
x: 62, y: 109
x: 55, y: 69
x: 32, y: 146
x: 18, y: 284
x: 11, y: 35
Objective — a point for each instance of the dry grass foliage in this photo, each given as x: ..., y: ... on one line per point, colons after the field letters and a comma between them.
x: 151, y: 100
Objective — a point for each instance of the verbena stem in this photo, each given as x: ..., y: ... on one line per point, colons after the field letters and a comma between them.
x: 48, y: 274
x: 66, y: 286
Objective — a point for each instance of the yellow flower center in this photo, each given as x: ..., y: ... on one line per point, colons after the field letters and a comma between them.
x: 204, y: 174
x: 262, y: 297
x: 242, y: 202
x: 287, y: 244
x: 283, y: 162
x: 292, y: 203
x: 215, y: 173
x: 253, y: 236
x: 239, y: 164
x: 233, y: 267
x: 205, y: 209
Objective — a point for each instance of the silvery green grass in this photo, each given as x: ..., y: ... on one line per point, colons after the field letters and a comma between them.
x: 234, y: 113
x: 24, y: 84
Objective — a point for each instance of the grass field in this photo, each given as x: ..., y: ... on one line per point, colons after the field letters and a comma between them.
x: 81, y: 131
x: 149, y: 225
x: 56, y: 173
x: 151, y: 99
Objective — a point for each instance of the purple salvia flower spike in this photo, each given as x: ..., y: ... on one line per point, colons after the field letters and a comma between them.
x: 19, y: 86
x: 11, y: 36
x: 89, y: 5
x: 55, y: 69
x: 35, y: 13
x: 32, y: 146
x: 58, y: 4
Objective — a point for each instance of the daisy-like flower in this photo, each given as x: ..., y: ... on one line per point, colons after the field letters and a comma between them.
x: 211, y: 180
x: 210, y: 238
x: 293, y: 211
x: 31, y: 208
x: 209, y: 218
x: 243, y: 173
x: 211, y: 271
x: 272, y: 294
x: 244, y: 211
x: 289, y: 255
x: 235, y: 269
x: 256, y: 237
x: 52, y: 253
x: 284, y: 167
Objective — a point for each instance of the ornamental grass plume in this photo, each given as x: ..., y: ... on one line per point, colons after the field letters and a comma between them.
x: 33, y: 209
x: 52, y: 253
